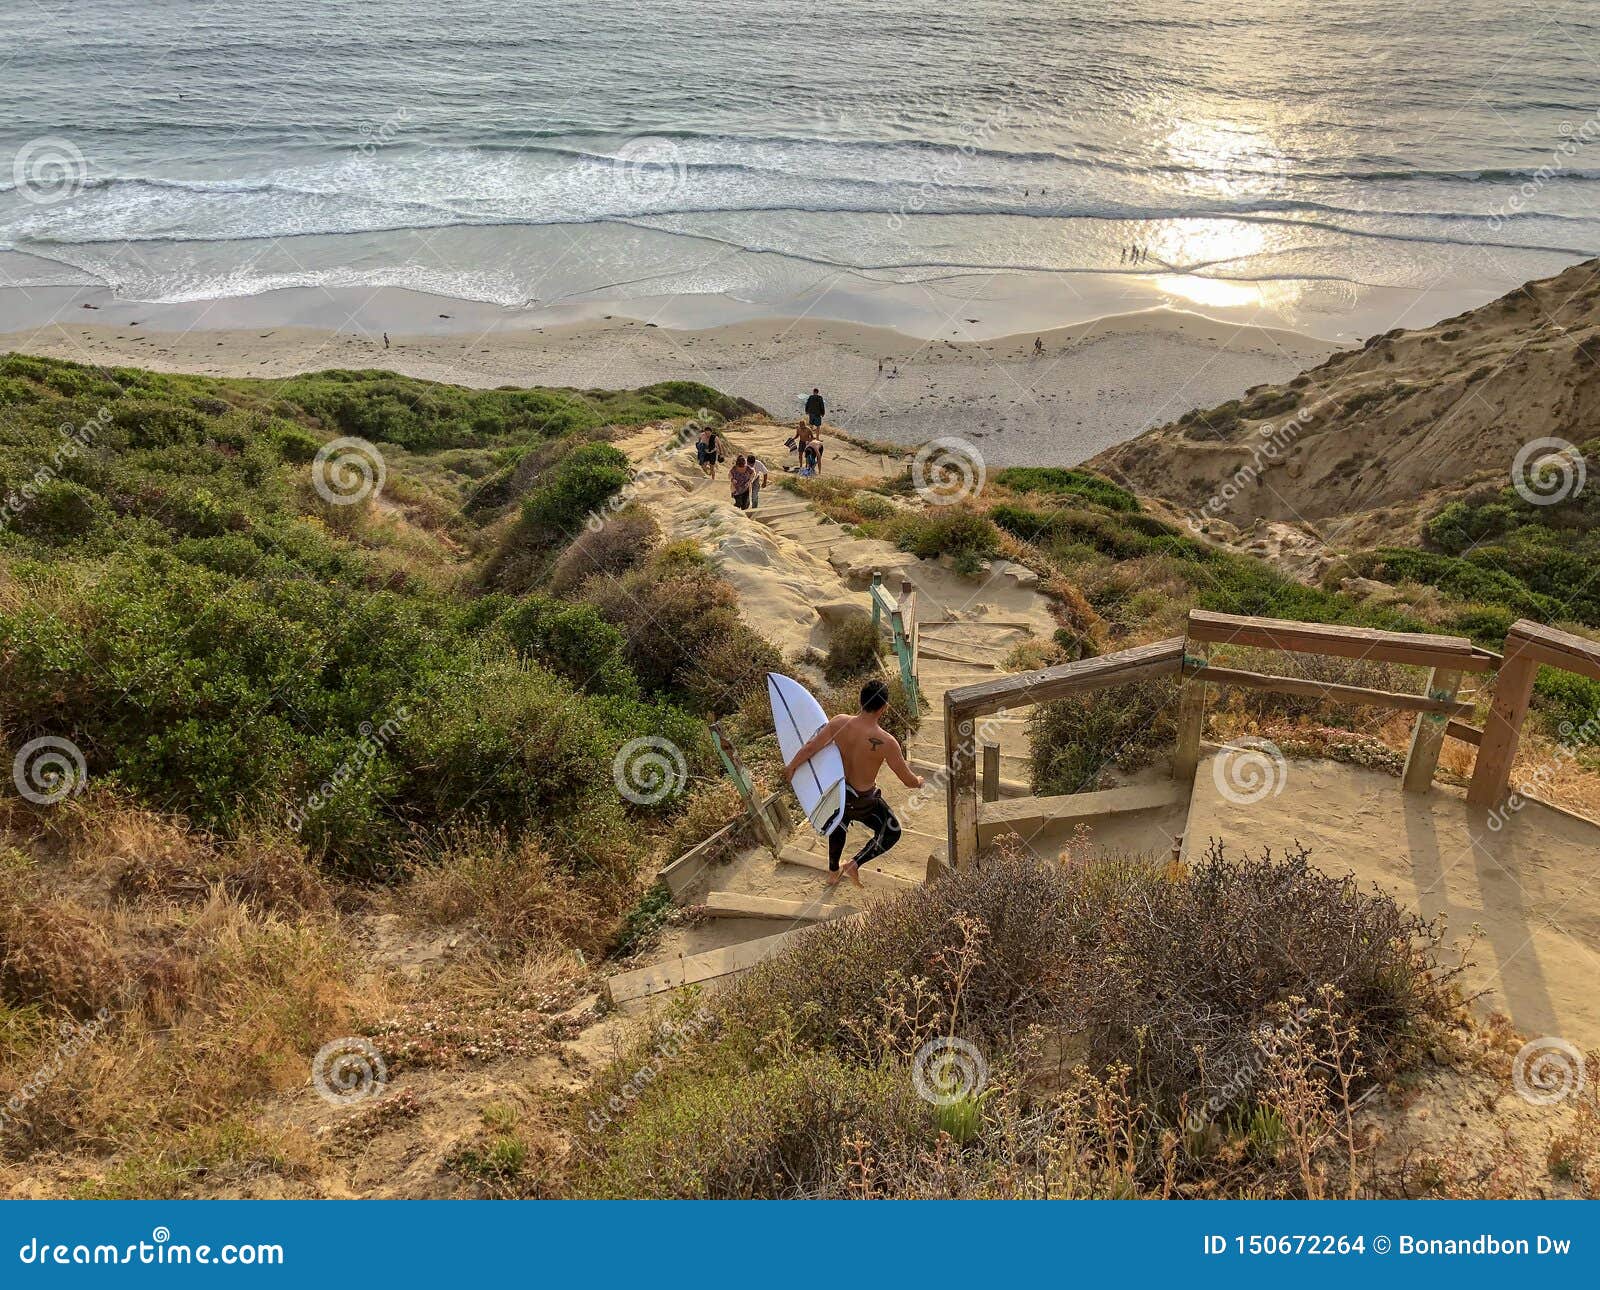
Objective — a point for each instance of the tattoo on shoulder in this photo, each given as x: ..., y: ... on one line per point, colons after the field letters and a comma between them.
x: 875, y: 742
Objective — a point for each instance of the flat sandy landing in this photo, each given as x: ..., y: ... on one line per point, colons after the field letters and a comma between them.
x: 1096, y: 385
x: 1531, y: 887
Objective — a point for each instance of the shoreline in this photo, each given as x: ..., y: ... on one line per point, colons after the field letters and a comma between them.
x: 1099, y: 382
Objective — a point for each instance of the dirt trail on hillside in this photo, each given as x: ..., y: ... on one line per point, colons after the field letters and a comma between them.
x: 796, y: 573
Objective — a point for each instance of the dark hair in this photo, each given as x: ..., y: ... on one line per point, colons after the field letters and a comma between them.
x: 739, y: 460
x: 874, y: 696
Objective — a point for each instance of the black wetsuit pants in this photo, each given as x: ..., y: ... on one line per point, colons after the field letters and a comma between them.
x: 870, y: 809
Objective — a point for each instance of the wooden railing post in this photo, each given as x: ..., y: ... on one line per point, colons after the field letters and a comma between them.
x: 872, y: 595
x: 1191, y: 713
x: 908, y: 623
x: 1427, y: 734
x: 991, y: 772
x: 1513, y: 688
x: 740, y: 776
x: 961, y: 789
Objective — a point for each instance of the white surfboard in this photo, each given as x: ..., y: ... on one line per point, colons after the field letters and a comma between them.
x: 819, y: 782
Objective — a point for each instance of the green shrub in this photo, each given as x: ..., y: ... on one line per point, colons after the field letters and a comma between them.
x: 682, y: 629
x: 957, y: 531
x: 855, y: 645
x: 1114, y: 962
x: 1077, y: 740
x: 573, y: 641
x: 622, y: 542
x: 575, y: 488
x: 1075, y: 482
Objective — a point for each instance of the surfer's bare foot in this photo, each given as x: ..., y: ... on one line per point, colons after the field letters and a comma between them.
x: 852, y: 871
x: 833, y: 878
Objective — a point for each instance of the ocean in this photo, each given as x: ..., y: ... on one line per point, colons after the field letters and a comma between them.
x: 531, y: 153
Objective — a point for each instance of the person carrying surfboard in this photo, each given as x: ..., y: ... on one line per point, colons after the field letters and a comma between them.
x: 866, y: 747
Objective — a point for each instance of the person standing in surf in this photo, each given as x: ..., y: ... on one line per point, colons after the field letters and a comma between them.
x: 865, y: 747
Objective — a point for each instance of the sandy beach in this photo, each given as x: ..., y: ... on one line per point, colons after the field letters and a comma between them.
x: 1097, y: 384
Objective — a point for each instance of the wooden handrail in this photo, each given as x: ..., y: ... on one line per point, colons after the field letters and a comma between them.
x: 1554, y: 648
x: 1143, y: 663
x: 1420, y: 649
x: 963, y: 705
x: 1529, y: 646
x: 1356, y: 694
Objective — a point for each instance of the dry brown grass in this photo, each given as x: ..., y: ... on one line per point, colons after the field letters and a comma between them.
x: 152, y: 983
x: 510, y: 896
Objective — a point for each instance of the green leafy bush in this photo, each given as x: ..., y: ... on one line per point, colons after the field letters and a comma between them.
x: 855, y: 644
x: 1075, y: 482
x: 573, y: 641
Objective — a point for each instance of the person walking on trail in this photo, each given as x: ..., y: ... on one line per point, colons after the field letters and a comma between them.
x: 865, y: 747
x: 706, y: 451
x: 802, y: 438
x: 816, y: 409
x: 739, y: 478
x: 758, y: 479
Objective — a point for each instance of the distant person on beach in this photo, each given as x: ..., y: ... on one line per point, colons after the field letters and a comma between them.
x: 739, y: 481
x: 802, y: 436
x: 816, y: 409
x: 1038, y: 344
x: 705, y: 452
x: 758, y: 480
x: 865, y: 747
x: 386, y: 340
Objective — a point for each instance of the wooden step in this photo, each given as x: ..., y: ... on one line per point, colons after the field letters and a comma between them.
x: 672, y: 973
x: 949, y: 654
x: 736, y: 904
x: 1003, y: 624
x: 1009, y: 787
x: 1027, y: 814
x: 871, y: 876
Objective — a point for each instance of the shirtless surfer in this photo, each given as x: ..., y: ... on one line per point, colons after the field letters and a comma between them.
x: 865, y: 747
